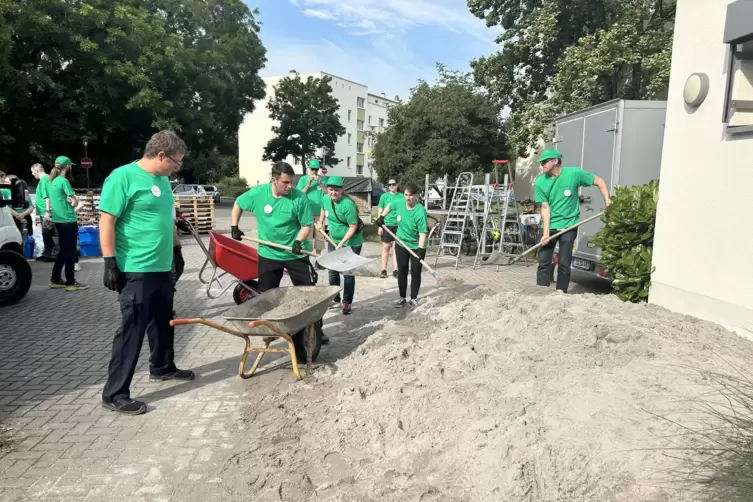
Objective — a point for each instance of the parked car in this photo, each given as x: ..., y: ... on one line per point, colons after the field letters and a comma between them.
x: 185, y: 189
x: 213, y: 191
x: 15, y: 271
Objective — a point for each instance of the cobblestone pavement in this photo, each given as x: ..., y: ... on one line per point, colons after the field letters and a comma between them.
x: 55, y: 347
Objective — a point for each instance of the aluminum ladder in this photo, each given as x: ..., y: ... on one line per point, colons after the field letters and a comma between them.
x: 491, y: 222
x: 456, y: 221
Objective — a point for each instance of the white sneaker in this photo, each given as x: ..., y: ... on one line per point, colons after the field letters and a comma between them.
x: 413, y: 303
x: 77, y: 267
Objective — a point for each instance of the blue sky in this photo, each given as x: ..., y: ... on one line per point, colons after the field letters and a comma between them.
x: 385, y: 44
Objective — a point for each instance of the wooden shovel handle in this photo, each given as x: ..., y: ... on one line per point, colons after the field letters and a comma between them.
x: 278, y: 246
x: 537, y: 246
x: 399, y: 241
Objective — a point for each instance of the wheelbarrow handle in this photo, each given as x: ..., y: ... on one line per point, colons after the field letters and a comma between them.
x: 278, y: 246
x: 399, y: 241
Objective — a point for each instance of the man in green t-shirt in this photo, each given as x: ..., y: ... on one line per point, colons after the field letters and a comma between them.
x: 312, y: 185
x: 342, y: 214
x: 137, y: 235
x: 392, y: 196
x: 48, y: 228
x: 557, y: 190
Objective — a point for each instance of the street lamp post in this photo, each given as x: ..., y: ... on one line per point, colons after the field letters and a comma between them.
x: 86, y: 154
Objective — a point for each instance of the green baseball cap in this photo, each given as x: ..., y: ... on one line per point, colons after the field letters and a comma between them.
x: 314, y: 164
x: 549, y: 154
x: 63, y: 161
x: 335, y: 181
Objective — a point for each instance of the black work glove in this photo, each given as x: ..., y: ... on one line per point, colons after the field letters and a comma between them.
x: 182, y: 225
x: 114, y: 278
x: 236, y: 233
x: 297, y: 247
x: 379, y: 221
x: 421, y: 253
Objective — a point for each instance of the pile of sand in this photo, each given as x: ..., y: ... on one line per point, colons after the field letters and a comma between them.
x: 509, y: 397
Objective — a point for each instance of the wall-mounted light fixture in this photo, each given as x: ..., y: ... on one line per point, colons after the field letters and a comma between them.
x: 696, y: 89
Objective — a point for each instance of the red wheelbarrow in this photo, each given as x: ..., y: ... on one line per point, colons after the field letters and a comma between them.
x: 230, y: 257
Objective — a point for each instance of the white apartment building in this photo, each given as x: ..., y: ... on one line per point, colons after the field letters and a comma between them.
x: 703, y: 245
x: 362, y: 114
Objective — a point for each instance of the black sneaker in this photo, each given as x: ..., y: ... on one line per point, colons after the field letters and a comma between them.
x: 394, y: 274
x: 76, y: 286
x: 57, y: 285
x: 126, y: 406
x: 183, y: 375
x: 346, y: 308
x: 383, y: 275
x: 400, y: 303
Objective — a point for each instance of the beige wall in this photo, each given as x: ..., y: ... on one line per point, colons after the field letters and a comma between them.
x: 703, y: 252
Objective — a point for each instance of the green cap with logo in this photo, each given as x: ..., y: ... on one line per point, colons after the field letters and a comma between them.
x: 63, y: 161
x: 335, y: 181
x: 549, y: 154
x: 314, y: 164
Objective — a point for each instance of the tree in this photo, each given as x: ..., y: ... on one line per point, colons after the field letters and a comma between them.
x: 446, y: 128
x: 561, y: 55
x: 116, y: 72
x: 308, y: 119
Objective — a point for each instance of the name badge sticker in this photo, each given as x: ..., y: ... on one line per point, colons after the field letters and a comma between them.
x: 268, y: 209
x: 156, y: 191
x: 568, y: 193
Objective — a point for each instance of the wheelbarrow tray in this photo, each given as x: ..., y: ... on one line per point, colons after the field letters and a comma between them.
x: 305, y: 306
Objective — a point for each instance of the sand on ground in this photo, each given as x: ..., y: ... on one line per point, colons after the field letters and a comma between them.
x: 485, y: 396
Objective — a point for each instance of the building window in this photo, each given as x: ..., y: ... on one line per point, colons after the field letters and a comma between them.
x: 359, y: 147
x: 360, y: 102
x: 738, y: 106
x: 348, y: 164
x: 349, y: 114
x: 381, y: 123
x: 369, y: 119
x: 359, y: 170
x: 359, y: 125
x: 297, y: 161
x: 349, y: 138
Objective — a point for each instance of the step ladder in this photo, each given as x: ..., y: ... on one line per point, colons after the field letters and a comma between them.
x: 491, y: 231
x: 457, y: 221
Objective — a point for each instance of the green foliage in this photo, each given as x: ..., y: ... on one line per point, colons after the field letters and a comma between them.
x: 559, y: 56
x: 627, y: 240
x: 446, y: 128
x: 232, y: 186
x: 117, y: 72
x: 308, y: 119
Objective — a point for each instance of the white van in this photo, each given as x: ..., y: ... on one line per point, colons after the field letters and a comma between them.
x: 15, y: 271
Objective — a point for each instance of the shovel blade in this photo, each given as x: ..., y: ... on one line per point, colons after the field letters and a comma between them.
x: 342, y: 260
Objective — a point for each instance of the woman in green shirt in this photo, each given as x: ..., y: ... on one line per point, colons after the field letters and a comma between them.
x: 342, y: 214
x: 61, y: 201
x: 412, y: 229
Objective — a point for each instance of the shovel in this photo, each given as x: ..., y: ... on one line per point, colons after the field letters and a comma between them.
x: 336, y: 260
x: 342, y: 260
x: 496, y: 257
x: 444, y: 282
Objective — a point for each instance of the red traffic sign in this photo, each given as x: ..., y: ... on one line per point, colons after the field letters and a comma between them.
x: 86, y: 163
x: 500, y: 161
x: 323, y: 170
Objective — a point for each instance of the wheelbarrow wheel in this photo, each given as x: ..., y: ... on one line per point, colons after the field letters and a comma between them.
x: 299, y: 340
x: 241, y: 294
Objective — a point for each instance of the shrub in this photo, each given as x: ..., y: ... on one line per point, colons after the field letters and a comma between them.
x: 627, y: 240
x: 232, y: 187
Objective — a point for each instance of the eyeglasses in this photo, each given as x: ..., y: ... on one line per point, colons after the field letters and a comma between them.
x: 179, y: 164
x: 392, y: 184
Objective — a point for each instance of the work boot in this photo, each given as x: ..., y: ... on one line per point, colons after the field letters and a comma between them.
x: 181, y: 375
x: 125, y: 405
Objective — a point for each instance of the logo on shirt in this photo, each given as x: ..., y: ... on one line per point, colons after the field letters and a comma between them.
x: 326, y: 213
x: 268, y: 209
x: 156, y: 191
x: 568, y: 193
x: 399, y: 218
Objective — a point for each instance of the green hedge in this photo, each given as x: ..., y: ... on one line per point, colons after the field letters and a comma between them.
x: 627, y: 240
x: 232, y: 187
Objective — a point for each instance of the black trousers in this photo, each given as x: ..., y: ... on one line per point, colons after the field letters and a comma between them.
x: 29, y: 226
x: 146, y: 304
x: 68, y: 240
x: 48, y: 231
x: 270, y: 273
x: 179, y: 264
x: 546, y: 254
x: 406, y: 261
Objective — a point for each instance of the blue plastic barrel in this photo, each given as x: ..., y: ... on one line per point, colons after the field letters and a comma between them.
x: 88, y: 241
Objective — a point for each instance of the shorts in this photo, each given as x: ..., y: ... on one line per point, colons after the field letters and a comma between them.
x: 387, y: 238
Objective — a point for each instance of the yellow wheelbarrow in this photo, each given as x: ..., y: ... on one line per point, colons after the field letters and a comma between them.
x: 290, y: 313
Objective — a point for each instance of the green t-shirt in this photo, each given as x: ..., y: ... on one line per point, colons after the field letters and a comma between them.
x: 143, y: 205
x: 42, y: 194
x: 279, y: 219
x: 314, y: 194
x: 58, y: 192
x: 561, y: 193
x: 347, y: 214
x: 393, y: 200
x: 410, y: 223
x: 5, y: 194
